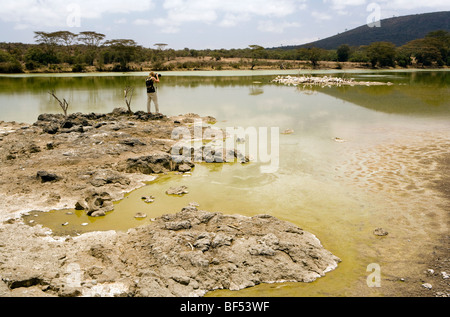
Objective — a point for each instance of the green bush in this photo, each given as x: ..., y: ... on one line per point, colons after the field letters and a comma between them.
x: 11, y: 67
x: 78, y: 68
x: 5, y: 57
x: 31, y: 65
x: 38, y: 55
x: 343, y: 53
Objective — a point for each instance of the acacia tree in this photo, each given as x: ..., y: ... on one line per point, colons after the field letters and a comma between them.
x: 65, y: 38
x: 160, y: 47
x: 256, y: 54
x: 92, y: 40
x: 48, y: 41
x: 424, y: 52
x: 381, y: 54
x: 46, y: 38
x: 441, y: 40
x: 124, y: 51
x: 314, y: 55
x: 343, y: 53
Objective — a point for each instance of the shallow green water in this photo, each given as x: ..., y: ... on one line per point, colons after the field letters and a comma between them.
x: 325, y: 187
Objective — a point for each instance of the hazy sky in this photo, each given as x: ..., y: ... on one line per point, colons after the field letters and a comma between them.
x: 200, y: 24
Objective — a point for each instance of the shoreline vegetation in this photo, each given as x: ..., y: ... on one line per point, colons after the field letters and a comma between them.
x: 65, y: 52
x: 231, y: 64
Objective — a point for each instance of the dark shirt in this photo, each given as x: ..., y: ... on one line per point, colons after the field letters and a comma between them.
x: 150, y: 85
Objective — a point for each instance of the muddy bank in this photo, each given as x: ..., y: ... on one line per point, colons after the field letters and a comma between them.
x: 88, y: 161
x: 58, y: 162
x: 410, y: 172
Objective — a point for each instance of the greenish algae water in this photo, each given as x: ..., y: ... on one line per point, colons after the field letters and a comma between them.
x: 340, y: 192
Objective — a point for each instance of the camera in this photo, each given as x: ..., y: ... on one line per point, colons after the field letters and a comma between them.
x: 159, y: 75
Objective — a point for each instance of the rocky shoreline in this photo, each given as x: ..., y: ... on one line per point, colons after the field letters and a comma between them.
x: 182, y: 255
x: 88, y: 161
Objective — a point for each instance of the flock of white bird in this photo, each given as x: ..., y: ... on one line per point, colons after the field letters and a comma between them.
x: 323, y: 81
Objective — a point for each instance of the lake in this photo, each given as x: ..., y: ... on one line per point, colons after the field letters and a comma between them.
x: 382, y: 175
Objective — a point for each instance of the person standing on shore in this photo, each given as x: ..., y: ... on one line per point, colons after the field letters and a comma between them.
x: 151, y: 91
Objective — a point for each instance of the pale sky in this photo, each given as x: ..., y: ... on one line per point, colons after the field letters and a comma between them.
x: 201, y: 24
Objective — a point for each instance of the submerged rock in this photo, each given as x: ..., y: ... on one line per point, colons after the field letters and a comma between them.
x: 380, y: 232
x: 155, y: 163
x: 140, y: 215
x: 182, y: 190
x: 183, y: 168
x: 96, y: 204
x: 185, y: 254
x: 149, y: 199
x: 208, y: 251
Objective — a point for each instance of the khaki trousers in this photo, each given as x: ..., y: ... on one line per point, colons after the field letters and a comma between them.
x: 152, y: 96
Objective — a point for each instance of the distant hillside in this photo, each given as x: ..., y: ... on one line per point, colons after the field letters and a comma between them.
x: 398, y: 30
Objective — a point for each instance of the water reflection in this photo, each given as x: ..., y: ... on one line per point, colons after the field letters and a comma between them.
x: 407, y: 99
x: 227, y: 97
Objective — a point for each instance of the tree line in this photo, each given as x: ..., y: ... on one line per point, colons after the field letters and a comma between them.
x: 52, y: 50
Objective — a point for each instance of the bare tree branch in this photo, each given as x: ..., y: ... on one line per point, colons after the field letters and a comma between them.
x: 128, y: 97
x: 63, y: 104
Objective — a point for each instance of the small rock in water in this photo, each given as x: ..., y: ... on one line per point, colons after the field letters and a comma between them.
x: 140, y: 215
x: 427, y: 285
x: 380, y: 232
x: 183, y: 168
x: 84, y: 224
x: 182, y: 190
x: 148, y: 199
x: 64, y: 224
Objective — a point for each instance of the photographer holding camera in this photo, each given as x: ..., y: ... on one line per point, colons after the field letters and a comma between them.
x: 151, y: 91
